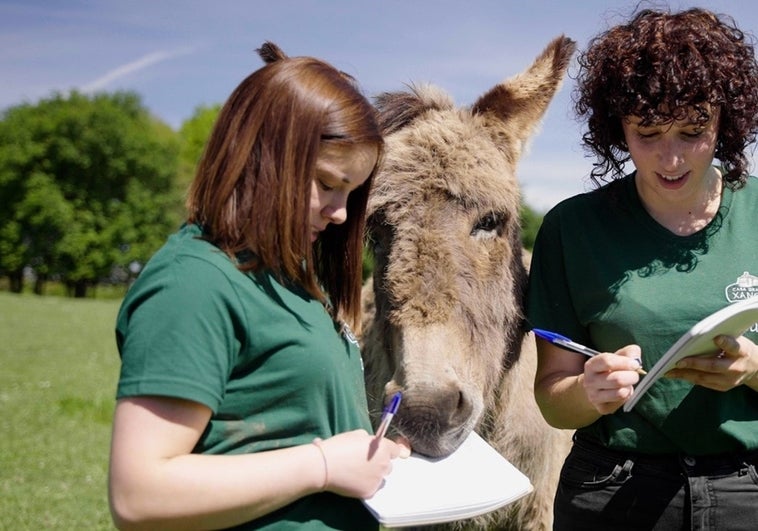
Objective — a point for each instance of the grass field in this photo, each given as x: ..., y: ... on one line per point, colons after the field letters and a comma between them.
x: 58, y: 372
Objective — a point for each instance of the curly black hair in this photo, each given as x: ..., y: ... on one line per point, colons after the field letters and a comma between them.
x: 662, y: 66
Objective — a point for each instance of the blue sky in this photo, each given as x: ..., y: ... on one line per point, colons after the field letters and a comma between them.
x: 181, y: 54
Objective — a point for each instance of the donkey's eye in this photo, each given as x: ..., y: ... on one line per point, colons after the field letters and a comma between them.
x: 489, y: 225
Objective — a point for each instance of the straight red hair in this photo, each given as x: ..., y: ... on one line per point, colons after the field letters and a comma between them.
x: 251, y: 192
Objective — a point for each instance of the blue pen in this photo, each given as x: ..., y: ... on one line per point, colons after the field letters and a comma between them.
x: 568, y: 344
x: 563, y: 341
x: 389, y: 412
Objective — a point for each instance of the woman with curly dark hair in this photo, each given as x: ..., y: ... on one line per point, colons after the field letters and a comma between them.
x: 631, y: 266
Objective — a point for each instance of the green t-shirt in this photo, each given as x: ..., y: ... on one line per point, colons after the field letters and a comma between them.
x: 265, y: 357
x: 607, y: 274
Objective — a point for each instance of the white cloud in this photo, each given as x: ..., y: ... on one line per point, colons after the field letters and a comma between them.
x: 143, y: 62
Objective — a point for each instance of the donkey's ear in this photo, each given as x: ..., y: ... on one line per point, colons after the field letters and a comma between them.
x: 270, y: 52
x: 521, y: 101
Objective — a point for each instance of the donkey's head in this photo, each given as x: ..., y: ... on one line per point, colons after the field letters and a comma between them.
x: 444, y: 228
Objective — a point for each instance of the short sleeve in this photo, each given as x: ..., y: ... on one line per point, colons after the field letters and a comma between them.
x: 176, y: 332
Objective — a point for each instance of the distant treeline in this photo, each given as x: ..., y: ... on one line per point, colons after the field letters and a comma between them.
x: 91, y: 186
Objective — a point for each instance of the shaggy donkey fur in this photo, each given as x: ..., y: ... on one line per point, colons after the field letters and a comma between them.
x: 443, y: 315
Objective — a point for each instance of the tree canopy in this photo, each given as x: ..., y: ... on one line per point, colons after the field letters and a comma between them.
x: 89, y: 185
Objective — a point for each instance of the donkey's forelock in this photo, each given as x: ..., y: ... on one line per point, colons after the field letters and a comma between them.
x: 449, y: 153
x: 398, y: 109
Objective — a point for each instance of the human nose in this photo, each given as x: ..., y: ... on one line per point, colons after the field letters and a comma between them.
x: 671, y: 153
x: 336, y: 210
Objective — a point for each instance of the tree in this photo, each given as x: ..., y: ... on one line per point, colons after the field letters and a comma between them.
x: 530, y: 224
x: 87, y: 182
x: 193, y: 135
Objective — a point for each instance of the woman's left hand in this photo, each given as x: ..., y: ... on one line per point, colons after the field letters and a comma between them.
x: 736, y: 364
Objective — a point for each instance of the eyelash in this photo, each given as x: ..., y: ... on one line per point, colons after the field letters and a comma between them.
x: 325, y: 186
x: 652, y: 135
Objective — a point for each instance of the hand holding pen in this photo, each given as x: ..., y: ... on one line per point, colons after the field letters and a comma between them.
x: 353, y: 463
x: 607, y: 384
x: 567, y: 344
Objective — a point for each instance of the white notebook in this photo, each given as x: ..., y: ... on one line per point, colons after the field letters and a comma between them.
x: 732, y: 320
x: 473, y: 480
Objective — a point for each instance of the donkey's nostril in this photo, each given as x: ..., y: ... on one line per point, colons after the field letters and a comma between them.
x: 463, y: 410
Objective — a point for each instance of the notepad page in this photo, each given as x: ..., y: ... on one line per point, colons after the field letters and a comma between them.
x: 473, y: 480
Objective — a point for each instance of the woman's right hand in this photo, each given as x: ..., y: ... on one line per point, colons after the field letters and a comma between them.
x: 609, y: 378
x: 573, y: 391
x: 357, y: 462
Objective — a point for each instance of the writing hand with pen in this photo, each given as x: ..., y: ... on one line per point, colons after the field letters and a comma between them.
x: 356, y: 462
x: 608, y: 378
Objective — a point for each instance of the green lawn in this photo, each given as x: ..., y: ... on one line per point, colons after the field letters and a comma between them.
x: 58, y: 372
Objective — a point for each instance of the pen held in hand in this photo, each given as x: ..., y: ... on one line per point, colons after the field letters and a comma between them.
x: 389, y: 412
x: 568, y: 344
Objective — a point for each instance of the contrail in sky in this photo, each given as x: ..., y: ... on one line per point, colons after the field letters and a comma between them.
x: 135, y: 66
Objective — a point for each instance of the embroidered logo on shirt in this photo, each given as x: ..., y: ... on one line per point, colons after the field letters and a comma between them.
x: 745, y: 287
x: 348, y: 333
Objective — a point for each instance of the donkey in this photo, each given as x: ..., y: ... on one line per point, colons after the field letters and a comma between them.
x: 443, y: 314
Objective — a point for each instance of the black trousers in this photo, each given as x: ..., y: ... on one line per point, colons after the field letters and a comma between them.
x: 607, y: 489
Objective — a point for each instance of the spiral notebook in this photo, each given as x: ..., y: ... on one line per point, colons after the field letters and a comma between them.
x: 473, y: 480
